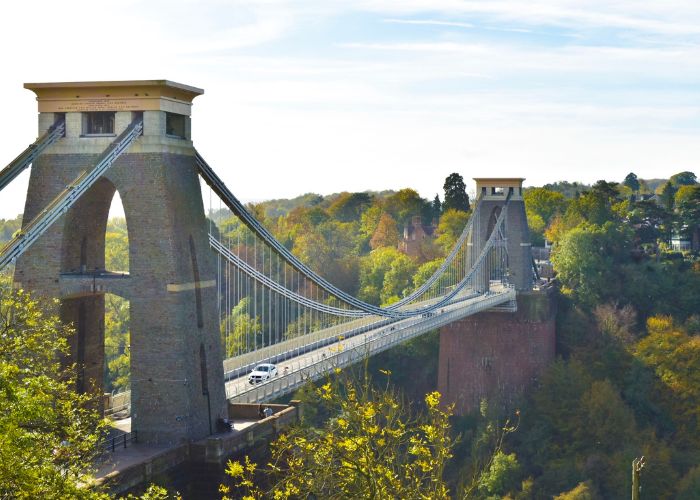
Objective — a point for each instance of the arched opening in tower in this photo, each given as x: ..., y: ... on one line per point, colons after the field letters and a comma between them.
x: 117, y: 331
x: 94, y: 276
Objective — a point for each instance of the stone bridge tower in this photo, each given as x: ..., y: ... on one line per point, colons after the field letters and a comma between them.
x: 496, y: 354
x: 177, y: 387
x: 493, y: 193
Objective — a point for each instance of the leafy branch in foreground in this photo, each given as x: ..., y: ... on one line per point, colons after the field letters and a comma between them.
x: 371, y: 448
x: 48, y: 433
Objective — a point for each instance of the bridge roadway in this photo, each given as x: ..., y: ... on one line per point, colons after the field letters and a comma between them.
x: 296, y: 368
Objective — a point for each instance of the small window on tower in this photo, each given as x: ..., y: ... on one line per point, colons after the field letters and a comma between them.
x: 98, y: 123
x: 175, y: 125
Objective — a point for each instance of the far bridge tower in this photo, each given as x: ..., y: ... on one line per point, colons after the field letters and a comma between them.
x: 496, y: 354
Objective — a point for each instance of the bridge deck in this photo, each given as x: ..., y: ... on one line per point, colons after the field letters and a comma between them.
x: 312, y: 365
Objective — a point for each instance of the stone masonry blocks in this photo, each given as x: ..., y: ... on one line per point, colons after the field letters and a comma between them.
x: 496, y: 355
x: 162, y: 201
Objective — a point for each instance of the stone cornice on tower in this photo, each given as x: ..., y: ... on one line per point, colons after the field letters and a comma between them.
x: 499, y: 181
x: 491, y: 188
x: 129, y: 95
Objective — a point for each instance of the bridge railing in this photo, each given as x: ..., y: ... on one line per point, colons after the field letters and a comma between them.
x: 121, y: 440
x: 320, y: 363
x: 237, y: 366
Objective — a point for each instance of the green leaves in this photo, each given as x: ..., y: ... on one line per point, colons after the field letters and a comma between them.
x: 48, y: 433
x: 371, y: 447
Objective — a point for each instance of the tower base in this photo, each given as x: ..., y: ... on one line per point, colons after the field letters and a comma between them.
x: 496, y: 355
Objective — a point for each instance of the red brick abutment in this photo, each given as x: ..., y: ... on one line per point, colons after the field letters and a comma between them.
x: 497, y: 355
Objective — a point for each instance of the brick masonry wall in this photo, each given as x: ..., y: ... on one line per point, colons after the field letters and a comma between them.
x: 497, y: 355
x: 169, y: 333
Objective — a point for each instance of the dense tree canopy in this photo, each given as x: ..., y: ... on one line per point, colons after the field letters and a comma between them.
x: 386, y: 234
x: 628, y: 323
x: 683, y: 179
x: 632, y: 182
x: 48, y: 433
x: 9, y: 227
x: 450, y: 228
x: 667, y: 194
x: 405, y: 204
x: 587, y: 258
x: 348, y: 207
x: 456, y: 196
x: 371, y: 447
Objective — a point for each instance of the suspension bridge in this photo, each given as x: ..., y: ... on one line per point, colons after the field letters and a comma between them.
x: 208, y: 304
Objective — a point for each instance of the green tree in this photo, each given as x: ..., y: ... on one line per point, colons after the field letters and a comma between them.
x: 568, y: 189
x: 425, y: 271
x: 689, y: 212
x: 632, y: 182
x: 675, y: 358
x: 544, y: 203
x: 370, y: 448
x: 238, y: 327
x: 689, y: 487
x: 683, y: 179
x: 386, y: 234
x: 117, y: 358
x: 683, y: 193
x: 587, y: 259
x: 9, y: 227
x: 348, y: 207
x: 537, y: 229
x: 501, y: 477
x: 385, y: 275
x: 456, y: 196
x: 650, y: 221
x: 48, y: 433
x: 370, y: 220
x: 398, y: 279
x: 437, y: 207
x: 405, y: 204
x: 541, y: 206
x: 117, y: 245
x: 583, y: 491
x: 667, y: 193
x: 595, y: 206
x: 450, y: 228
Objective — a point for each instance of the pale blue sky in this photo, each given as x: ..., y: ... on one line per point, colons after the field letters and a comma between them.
x: 326, y: 95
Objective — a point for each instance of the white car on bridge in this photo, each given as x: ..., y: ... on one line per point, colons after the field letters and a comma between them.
x: 262, y: 372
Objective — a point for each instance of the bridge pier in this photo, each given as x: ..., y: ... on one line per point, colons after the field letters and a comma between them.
x: 177, y: 384
x: 496, y: 355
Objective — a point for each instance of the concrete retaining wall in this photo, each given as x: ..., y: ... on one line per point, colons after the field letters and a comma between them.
x: 213, y: 451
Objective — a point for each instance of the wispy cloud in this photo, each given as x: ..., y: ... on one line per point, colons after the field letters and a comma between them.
x: 511, y: 30
x: 416, y: 46
x: 430, y: 22
x: 411, y: 90
x: 674, y: 17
